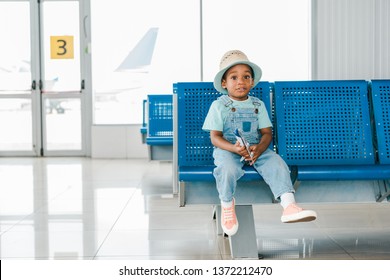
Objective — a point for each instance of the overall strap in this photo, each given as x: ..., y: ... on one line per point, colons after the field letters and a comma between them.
x: 226, y: 101
x: 229, y: 103
x: 255, y: 101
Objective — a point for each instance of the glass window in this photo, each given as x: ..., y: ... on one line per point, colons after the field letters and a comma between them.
x: 63, y: 123
x: 140, y: 48
x: 15, y: 118
x: 274, y: 35
x: 15, y: 77
x: 61, y: 44
x: 15, y: 54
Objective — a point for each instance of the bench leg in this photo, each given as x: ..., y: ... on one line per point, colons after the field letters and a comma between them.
x: 218, y: 219
x: 182, y: 195
x: 294, y: 177
x: 384, y: 192
x: 243, y: 245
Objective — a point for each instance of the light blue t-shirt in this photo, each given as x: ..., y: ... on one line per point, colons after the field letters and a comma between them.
x: 218, y: 112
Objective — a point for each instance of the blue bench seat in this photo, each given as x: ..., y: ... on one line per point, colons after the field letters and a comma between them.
x: 159, y: 141
x: 325, y: 129
x: 143, y: 130
x: 334, y: 135
x: 160, y: 127
x: 205, y: 173
x: 343, y: 172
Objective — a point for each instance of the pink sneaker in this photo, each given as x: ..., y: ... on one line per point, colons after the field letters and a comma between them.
x: 229, y: 221
x: 295, y: 214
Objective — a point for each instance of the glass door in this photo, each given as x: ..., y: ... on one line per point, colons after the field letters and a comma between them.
x: 61, y: 84
x: 42, y: 88
x: 16, y: 80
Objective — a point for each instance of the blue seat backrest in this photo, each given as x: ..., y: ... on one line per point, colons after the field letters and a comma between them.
x: 194, y: 100
x: 160, y: 115
x: 380, y: 94
x: 324, y: 122
x: 144, y: 102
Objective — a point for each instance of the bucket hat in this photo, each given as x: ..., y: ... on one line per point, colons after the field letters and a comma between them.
x: 230, y: 59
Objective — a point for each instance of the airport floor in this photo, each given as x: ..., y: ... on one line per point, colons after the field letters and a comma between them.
x: 118, y: 209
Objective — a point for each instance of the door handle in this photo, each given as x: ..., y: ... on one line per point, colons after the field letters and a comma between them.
x: 34, y: 85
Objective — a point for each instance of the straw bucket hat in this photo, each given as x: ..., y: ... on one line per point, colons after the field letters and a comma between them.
x: 230, y: 59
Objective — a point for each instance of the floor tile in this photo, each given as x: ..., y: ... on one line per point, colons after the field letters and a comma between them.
x: 113, y: 209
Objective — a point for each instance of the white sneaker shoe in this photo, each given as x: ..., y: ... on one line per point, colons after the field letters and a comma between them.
x: 295, y: 214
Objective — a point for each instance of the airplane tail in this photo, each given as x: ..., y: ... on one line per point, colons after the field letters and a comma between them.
x: 141, y: 55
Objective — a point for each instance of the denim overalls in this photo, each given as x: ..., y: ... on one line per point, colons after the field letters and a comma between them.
x: 228, y: 169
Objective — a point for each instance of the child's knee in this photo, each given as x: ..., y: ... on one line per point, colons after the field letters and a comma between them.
x: 228, y: 169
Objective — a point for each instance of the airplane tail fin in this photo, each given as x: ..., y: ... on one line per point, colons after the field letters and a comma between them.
x: 141, y: 55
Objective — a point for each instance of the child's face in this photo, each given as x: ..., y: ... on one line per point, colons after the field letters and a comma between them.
x: 238, y: 81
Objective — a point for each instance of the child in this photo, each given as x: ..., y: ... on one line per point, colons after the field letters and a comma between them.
x: 236, y: 110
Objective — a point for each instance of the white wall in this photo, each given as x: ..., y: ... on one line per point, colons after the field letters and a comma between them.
x: 117, y: 141
x: 350, y: 39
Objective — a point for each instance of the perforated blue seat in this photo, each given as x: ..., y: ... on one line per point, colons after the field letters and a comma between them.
x: 324, y: 128
x: 160, y: 126
x: 160, y: 115
x: 380, y: 94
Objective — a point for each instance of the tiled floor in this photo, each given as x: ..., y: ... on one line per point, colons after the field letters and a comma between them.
x: 82, y: 208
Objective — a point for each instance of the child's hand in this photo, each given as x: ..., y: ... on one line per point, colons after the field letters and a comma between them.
x: 241, y: 150
x: 256, y: 152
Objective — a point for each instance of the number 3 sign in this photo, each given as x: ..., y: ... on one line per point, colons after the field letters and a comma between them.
x: 61, y: 47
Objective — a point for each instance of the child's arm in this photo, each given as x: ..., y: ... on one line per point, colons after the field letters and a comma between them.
x: 218, y: 141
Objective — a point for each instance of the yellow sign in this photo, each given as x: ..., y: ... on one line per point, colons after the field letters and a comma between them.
x: 61, y: 47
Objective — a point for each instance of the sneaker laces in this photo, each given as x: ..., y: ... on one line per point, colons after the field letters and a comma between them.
x: 294, y: 205
x: 228, y: 214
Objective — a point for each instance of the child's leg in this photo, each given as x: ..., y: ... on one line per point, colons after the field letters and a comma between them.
x: 276, y: 174
x: 228, y: 170
x: 286, y: 199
